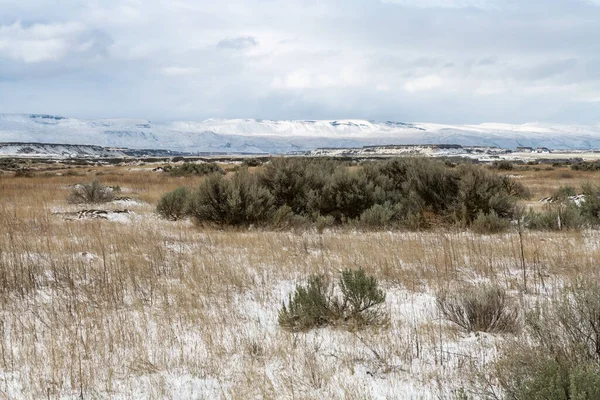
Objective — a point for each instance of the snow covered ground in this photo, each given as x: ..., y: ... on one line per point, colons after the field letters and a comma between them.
x: 265, y: 136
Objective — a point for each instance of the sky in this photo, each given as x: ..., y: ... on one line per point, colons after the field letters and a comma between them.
x: 446, y: 61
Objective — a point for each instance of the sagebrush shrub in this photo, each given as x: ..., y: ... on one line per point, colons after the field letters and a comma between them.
x: 378, y: 216
x: 555, y: 217
x: 315, y: 305
x: 489, y: 223
x: 236, y: 201
x: 562, y: 358
x: 309, y: 307
x: 482, y: 309
x: 173, y: 205
x: 188, y: 168
x: 360, y: 297
x: 93, y: 192
x: 414, y: 193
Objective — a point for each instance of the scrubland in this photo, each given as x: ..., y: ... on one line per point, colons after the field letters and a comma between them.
x: 136, y: 306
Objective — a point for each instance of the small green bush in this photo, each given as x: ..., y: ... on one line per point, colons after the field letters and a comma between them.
x: 562, y: 358
x: 309, y: 307
x: 503, y: 165
x: 489, y: 223
x: 555, y: 217
x: 314, y: 305
x: 360, y: 297
x: 482, y: 309
x: 378, y: 216
x: 187, y: 169
x: 239, y: 201
x: 93, y: 192
x: 173, y: 205
x: 252, y: 162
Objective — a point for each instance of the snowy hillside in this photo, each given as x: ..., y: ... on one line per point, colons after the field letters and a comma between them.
x: 265, y: 136
x: 56, y: 150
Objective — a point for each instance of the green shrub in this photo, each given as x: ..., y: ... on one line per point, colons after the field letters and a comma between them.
x: 314, y: 305
x: 503, y: 165
x: 93, y: 192
x: 555, y: 217
x: 482, y: 192
x: 252, y: 162
x: 482, y: 309
x: 489, y: 223
x: 562, y: 358
x: 360, y: 297
x: 378, y: 216
x: 237, y: 201
x: 586, y: 166
x: 173, y: 205
x: 413, y: 193
x: 309, y: 307
x: 590, y: 207
x: 187, y: 169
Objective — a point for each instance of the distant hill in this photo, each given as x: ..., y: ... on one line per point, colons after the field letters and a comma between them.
x: 274, y: 137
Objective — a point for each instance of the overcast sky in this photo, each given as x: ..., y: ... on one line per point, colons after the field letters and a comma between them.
x: 450, y: 61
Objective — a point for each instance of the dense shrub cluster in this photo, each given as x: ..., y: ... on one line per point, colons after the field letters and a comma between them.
x: 414, y: 193
x: 562, y: 359
x: 315, y: 305
x: 187, y: 169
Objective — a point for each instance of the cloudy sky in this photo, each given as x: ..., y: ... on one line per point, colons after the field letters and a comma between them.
x: 450, y: 61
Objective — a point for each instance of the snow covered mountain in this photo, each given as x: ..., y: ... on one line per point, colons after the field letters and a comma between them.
x: 266, y: 136
x: 56, y: 150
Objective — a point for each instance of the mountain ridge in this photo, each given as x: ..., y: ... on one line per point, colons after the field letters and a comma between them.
x: 284, y: 136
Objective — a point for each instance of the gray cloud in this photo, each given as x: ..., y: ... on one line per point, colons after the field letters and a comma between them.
x: 464, y: 61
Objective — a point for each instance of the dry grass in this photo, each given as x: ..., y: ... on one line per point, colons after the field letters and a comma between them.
x: 148, y: 308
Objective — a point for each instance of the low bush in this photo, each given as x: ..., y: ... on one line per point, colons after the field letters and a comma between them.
x: 590, y: 206
x: 309, y: 307
x: 23, y: 173
x: 187, y: 169
x: 490, y: 224
x: 173, y: 205
x: 586, y: 166
x: 503, y: 165
x: 93, y: 192
x: 252, y: 162
x: 315, y: 305
x: 555, y: 217
x: 360, y: 297
x: 562, y: 358
x: 239, y: 201
x: 378, y: 216
x: 482, y: 309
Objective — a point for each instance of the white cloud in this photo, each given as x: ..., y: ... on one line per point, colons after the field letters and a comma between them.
x: 45, y: 42
x: 40, y: 42
x: 424, y: 83
x: 448, y: 3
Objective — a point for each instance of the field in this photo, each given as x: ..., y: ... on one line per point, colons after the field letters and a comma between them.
x: 133, y: 306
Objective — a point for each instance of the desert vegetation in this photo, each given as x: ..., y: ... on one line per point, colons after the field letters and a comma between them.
x: 241, y: 285
x: 409, y: 193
